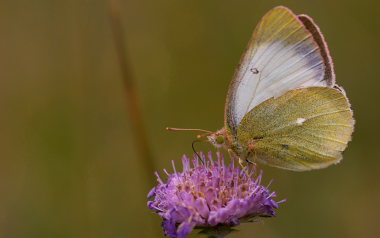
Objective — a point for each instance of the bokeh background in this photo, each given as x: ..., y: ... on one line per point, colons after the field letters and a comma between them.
x: 68, y: 165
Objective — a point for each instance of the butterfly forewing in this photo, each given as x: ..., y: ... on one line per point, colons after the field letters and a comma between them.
x: 320, y: 40
x: 283, y: 54
x: 303, y: 129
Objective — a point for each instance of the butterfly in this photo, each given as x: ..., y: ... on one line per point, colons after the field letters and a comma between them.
x: 283, y: 108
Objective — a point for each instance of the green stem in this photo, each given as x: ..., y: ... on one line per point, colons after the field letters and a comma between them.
x: 217, y: 232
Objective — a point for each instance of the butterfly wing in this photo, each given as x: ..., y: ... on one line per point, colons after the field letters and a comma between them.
x: 286, y: 52
x: 303, y: 129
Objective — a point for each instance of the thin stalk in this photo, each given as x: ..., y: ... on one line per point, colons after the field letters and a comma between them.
x: 132, y: 101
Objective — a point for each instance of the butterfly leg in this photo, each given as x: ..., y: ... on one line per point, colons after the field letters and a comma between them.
x: 250, y: 162
x: 243, y: 167
x: 254, y: 164
x: 240, y: 161
x: 231, y: 153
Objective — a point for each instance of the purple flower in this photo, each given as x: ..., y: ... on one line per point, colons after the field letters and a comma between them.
x: 209, y: 195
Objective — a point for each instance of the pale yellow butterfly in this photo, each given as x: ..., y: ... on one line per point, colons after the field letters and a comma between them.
x: 283, y: 107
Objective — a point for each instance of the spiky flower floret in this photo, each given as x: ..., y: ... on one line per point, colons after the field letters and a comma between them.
x: 210, y: 195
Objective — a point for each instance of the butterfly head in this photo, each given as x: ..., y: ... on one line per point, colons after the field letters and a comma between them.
x: 219, y: 139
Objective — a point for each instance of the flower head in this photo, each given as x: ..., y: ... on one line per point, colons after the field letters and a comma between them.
x: 209, y: 195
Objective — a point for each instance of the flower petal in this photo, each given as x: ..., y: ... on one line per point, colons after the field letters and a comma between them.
x: 169, y: 228
x: 184, y: 229
x: 152, y: 193
x: 201, y: 207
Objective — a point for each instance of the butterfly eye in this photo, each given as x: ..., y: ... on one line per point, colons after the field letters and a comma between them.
x: 219, y: 139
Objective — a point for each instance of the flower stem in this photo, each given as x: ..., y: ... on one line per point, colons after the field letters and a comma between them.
x: 217, y: 232
x: 132, y: 101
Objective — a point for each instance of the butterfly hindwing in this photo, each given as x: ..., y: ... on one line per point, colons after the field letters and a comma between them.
x: 303, y: 129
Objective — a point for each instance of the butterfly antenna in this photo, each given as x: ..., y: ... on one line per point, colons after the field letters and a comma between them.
x: 204, y: 135
x: 183, y: 129
x: 199, y: 157
x: 198, y: 136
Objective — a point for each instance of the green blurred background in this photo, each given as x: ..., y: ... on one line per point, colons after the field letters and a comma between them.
x: 69, y: 167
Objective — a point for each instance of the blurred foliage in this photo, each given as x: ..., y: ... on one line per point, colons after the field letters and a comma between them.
x: 68, y: 163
